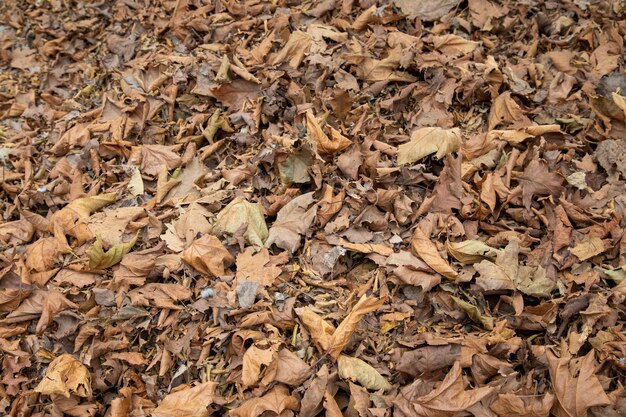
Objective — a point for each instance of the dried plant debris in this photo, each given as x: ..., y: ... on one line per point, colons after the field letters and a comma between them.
x: 307, y: 208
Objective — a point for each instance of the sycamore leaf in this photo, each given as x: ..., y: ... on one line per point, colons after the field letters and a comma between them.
x: 72, y: 219
x: 589, y: 247
x: 191, y: 402
x: 66, y: 375
x: 575, y: 392
x: 427, y: 251
x: 207, y: 255
x: 323, y: 144
x: 429, y: 140
x: 241, y: 212
x: 356, y: 370
x: 292, y: 221
x: 471, y: 251
x: 344, y: 331
x: 474, y: 313
x: 99, y: 259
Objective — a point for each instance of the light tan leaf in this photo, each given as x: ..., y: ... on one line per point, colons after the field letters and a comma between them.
x: 323, y: 144
x: 254, y: 359
x: 292, y: 221
x: 207, y: 255
x: 151, y: 158
x: 294, y: 50
x: 367, y: 247
x: 240, y: 212
x: 512, y: 405
x: 348, y: 325
x: 505, y: 110
x: 427, y: 251
x: 72, y: 219
x: 449, y: 398
x: 356, y: 370
x: 192, y: 402
x: 111, y: 224
x: 575, y: 394
x: 159, y: 295
x: 471, y: 251
x: 66, y: 376
x: 427, y: 10
x: 252, y: 267
x: 520, y: 135
x: 589, y: 247
x: 276, y: 402
x: 99, y: 259
x: 428, y: 140
x: 374, y: 70
x: 321, y: 331
x: 474, y: 313
x: 453, y: 45
x: 135, y: 184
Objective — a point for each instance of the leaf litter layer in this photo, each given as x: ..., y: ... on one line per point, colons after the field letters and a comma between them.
x: 285, y: 208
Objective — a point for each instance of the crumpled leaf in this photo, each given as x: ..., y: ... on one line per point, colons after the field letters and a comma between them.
x: 537, y: 179
x: 253, y: 267
x: 453, y: 45
x: 471, y: 251
x: 292, y: 221
x: 72, y: 219
x: 241, y: 212
x: 207, y: 255
x: 323, y: 144
x: 589, y: 247
x: 356, y: 370
x: 331, y: 340
x: 448, y: 398
x: 512, y: 405
x: 575, y: 394
x: 151, y: 158
x: 429, y: 140
x: 99, y: 259
x: 66, y: 375
x: 192, y: 402
x: 427, y: 10
x: 275, y: 402
x: 427, y: 251
x: 474, y: 313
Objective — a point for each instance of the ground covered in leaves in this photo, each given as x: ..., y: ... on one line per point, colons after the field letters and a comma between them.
x: 284, y: 208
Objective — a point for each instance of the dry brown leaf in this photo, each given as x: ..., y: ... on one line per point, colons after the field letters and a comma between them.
x: 276, y: 401
x: 575, y: 394
x: 427, y: 9
x: 292, y: 221
x: 253, y: 267
x: 192, y: 402
x: 72, y: 219
x: 537, y: 179
x: 323, y: 144
x: 589, y: 247
x: 356, y: 370
x: 320, y: 330
x: 348, y: 325
x: 427, y: 251
x: 151, y: 158
x: 453, y: 45
x: 207, y: 255
x: 238, y: 213
x: 429, y: 140
x: 66, y: 376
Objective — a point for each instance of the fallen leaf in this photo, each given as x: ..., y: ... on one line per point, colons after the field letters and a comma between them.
x: 537, y: 179
x: 475, y: 314
x: 429, y: 140
x: 276, y: 401
x: 193, y: 401
x: 323, y: 144
x: 72, y: 219
x: 356, y: 370
x: 66, y: 376
x: 254, y: 267
x: 99, y: 259
x: 427, y: 251
x: 241, y: 212
x: 428, y: 10
x: 292, y: 221
x: 575, y: 394
x: 471, y: 251
x: 589, y: 247
x: 207, y: 255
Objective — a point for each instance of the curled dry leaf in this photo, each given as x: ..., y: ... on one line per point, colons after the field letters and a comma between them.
x: 207, y: 255
x: 427, y: 251
x: 292, y: 221
x: 323, y: 144
x: 239, y: 213
x: 101, y: 259
x: 192, y: 401
x: 72, y: 219
x: 66, y: 376
x: 428, y: 140
x: 356, y: 370
x: 276, y: 401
